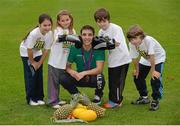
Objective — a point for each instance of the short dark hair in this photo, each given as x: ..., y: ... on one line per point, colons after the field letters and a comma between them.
x: 88, y: 27
x: 135, y: 30
x: 101, y: 14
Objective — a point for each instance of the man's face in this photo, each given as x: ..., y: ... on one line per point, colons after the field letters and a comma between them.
x: 87, y: 36
x: 103, y: 24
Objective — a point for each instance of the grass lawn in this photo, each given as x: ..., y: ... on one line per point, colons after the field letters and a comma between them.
x: 159, y: 18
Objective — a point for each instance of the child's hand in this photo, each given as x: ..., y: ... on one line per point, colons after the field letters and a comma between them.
x: 135, y: 73
x: 155, y: 74
x: 35, y: 65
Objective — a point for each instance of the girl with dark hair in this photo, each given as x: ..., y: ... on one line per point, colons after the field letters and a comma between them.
x: 40, y: 38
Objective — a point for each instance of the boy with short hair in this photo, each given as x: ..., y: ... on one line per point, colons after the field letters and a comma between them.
x: 152, y: 57
x: 118, y: 58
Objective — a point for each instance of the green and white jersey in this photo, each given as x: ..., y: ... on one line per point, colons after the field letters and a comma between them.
x: 36, y: 41
x: 89, y: 60
x: 59, y: 51
x: 149, y: 46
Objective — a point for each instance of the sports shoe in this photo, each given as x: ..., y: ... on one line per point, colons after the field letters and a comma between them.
x: 154, y: 105
x: 97, y: 100
x: 62, y: 102
x: 33, y: 103
x: 112, y: 104
x: 41, y: 102
x: 141, y: 100
x: 56, y: 106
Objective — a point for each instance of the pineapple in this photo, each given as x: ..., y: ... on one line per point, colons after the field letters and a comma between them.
x: 92, y: 106
x: 64, y: 111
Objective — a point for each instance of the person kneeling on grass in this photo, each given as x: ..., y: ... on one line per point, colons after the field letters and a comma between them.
x: 152, y: 58
x: 89, y: 64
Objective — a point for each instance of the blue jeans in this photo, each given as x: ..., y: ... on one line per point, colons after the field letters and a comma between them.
x: 33, y: 83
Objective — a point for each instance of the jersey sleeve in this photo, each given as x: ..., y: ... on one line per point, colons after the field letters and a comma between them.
x: 150, y: 46
x: 133, y: 52
x: 72, y: 56
x: 119, y: 35
x: 49, y: 40
x: 100, y: 55
x: 31, y: 40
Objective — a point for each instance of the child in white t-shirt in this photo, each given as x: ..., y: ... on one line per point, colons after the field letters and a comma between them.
x: 152, y: 57
x: 40, y: 38
x: 118, y: 58
x: 58, y: 57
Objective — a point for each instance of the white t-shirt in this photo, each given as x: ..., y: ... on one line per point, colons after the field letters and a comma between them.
x: 36, y: 41
x: 120, y: 55
x: 59, y: 51
x: 149, y: 46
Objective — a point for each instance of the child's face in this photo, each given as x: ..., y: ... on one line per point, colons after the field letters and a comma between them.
x: 136, y: 41
x: 64, y: 21
x: 103, y: 24
x: 87, y: 36
x: 45, y: 26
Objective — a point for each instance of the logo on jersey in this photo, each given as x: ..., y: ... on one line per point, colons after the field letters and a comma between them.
x: 39, y: 44
x: 143, y: 53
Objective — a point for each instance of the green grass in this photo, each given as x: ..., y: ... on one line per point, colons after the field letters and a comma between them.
x: 161, y: 19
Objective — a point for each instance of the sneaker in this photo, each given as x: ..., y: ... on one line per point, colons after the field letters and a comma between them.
x: 97, y: 100
x: 33, y: 103
x: 56, y: 106
x: 41, y: 102
x: 62, y: 102
x: 141, y: 100
x: 112, y: 104
x: 154, y: 105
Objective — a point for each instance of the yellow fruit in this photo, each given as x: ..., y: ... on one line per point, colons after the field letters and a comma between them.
x: 81, y: 106
x: 88, y: 115
x: 77, y: 111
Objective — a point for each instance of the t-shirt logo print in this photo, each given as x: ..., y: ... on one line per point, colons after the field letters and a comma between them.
x: 39, y: 44
x: 143, y: 53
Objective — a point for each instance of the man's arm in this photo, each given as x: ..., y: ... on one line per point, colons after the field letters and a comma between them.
x: 95, y: 71
x: 69, y: 70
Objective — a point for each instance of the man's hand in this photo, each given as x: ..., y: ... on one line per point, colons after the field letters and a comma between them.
x: 74, y: 74
x: 80, y: 75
